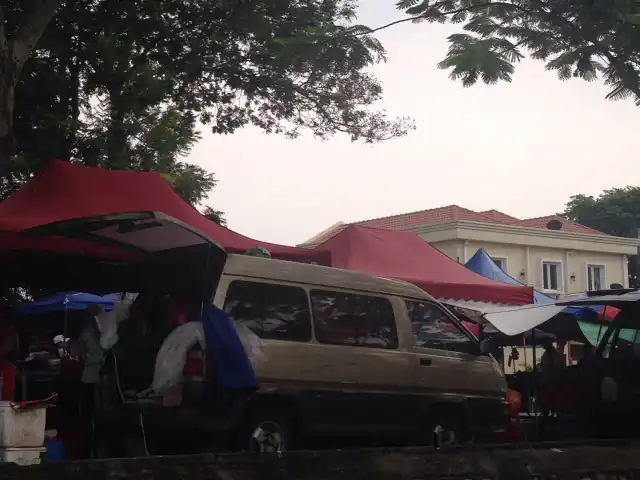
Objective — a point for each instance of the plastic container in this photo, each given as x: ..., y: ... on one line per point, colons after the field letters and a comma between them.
x: 54, y: 450
x: 21, y: 428
x: 22, y: 456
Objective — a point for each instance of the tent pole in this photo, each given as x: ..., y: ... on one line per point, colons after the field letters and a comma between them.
x: 535, y: 382
x: 65, y: 324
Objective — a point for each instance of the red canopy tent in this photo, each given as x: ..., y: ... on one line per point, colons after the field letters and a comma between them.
x: 64, y: 191
x: 406, y: 256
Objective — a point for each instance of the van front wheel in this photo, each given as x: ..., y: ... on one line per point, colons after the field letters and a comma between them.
x: 444, y: 427
x: 266, y: 431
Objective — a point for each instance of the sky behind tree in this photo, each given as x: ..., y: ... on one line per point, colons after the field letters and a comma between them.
x: 522, y: 148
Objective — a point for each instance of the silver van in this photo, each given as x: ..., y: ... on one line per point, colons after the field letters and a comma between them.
x: 349, y: 354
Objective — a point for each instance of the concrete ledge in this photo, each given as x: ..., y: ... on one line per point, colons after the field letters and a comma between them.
x: 375, y: 464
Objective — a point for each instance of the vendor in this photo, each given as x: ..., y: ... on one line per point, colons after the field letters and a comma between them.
x: 553, y: 357
x: 8, y: 343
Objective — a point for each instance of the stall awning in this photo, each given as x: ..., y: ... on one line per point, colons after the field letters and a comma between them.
x: 63, y: 191
x: 406, y: 256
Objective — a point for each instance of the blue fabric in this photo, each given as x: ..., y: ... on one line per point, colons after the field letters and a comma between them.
x: 64, y: 301
x: 482, y: 264
x: 225, y: 354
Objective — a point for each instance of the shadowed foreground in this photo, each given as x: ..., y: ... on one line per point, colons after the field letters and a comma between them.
x: 576, y: 462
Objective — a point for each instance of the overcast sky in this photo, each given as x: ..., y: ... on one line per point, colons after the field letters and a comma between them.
x: 523, y: 148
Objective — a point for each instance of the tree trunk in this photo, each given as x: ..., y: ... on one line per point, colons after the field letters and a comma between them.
x: 117, y: 149
x: 13, y: 55
x: 7, y: 139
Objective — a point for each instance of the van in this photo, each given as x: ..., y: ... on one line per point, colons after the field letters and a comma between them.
x: 352, y: 355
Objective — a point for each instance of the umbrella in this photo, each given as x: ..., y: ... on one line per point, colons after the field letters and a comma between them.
x: 64, y: 301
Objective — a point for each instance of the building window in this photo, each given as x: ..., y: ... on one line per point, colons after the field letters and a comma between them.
x: 500, y: 262
x: 278, y: 312
x: 342, y: 318
x: 433, y: 328
x: 551, y: 272
x: 595, y: 277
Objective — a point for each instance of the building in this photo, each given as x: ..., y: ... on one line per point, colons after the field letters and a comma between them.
x: 551, y: 254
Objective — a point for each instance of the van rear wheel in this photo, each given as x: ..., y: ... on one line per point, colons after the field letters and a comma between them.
x: 266, y: 430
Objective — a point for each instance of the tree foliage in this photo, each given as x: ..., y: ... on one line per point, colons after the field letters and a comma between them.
x: 616, y: 212
x: 584, y: 39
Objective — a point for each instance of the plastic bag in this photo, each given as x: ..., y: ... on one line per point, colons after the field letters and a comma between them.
x: 252, y: 343
x: 172, y: 355
x: 108, y: 322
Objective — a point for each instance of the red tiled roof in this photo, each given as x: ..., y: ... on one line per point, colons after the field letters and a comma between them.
x: 501, y: 217
x: 453, y: 213
x: 567, y: 225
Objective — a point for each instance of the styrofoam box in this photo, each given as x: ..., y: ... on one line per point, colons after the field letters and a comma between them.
x: 21, y: 428
x: 22, y: 456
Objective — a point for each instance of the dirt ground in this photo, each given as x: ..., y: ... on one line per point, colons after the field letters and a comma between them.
x: 389, y: 464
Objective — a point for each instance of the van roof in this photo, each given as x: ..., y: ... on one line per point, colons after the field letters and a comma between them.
x: 309, y: 274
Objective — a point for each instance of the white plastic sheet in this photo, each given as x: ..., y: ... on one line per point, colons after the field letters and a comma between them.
x: 108, y: 322
x: 519, y: 320
x: 172, y: 355
x: 253, y: 345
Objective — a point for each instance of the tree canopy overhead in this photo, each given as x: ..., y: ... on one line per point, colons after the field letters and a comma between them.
x: 128, y: 84
x: 585, y: 39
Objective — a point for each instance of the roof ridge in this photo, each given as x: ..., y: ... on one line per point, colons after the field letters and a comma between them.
x: 384, y: 217
x: 557, y: 216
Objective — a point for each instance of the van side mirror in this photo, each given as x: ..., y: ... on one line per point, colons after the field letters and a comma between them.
x: 486, y: 346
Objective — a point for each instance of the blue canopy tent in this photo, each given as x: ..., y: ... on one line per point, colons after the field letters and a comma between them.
x: 64, y: 301
x: 481, y: 263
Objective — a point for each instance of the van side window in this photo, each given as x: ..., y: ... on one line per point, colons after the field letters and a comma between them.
x: 343, y: 318
x: 432, y: 328
x: 278, y: 312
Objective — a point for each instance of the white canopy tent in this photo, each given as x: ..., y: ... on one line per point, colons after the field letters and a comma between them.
x: 512, y: 320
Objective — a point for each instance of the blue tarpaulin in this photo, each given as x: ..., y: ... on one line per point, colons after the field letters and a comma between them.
x: 64, y: 301
x: 227, y: 357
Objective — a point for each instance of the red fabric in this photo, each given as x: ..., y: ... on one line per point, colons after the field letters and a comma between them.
x: 405, y: 256
x: 20, y: 242
x: 608, y: 313
x: 8, y: 374
x: 63, y: 191
x: 473, y: 328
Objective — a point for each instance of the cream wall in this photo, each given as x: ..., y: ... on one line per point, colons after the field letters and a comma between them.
x: 451, y: 248
x: 529, y: 259
x: 613, y: 269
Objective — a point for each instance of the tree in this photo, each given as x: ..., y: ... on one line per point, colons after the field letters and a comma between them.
x: 583, y: 39
x: 126, y: 84
x: 616, y: 212
x: 22, y: 23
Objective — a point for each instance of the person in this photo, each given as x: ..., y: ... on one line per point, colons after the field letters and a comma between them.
x: 8, y: 343
x: 548, y: 359
x: 560, y: 357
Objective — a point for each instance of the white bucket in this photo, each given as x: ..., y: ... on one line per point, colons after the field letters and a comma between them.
x: 22, y: 456
x: 21, y: 428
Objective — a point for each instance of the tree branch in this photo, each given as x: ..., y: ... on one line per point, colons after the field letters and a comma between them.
x: 3, y: 34
x: 23, y: 42
x: 452, y: 12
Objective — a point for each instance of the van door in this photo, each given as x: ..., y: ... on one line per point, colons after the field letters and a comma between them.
x: 156, y: 244
x: 374, y: 375
x: 447, y: 365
